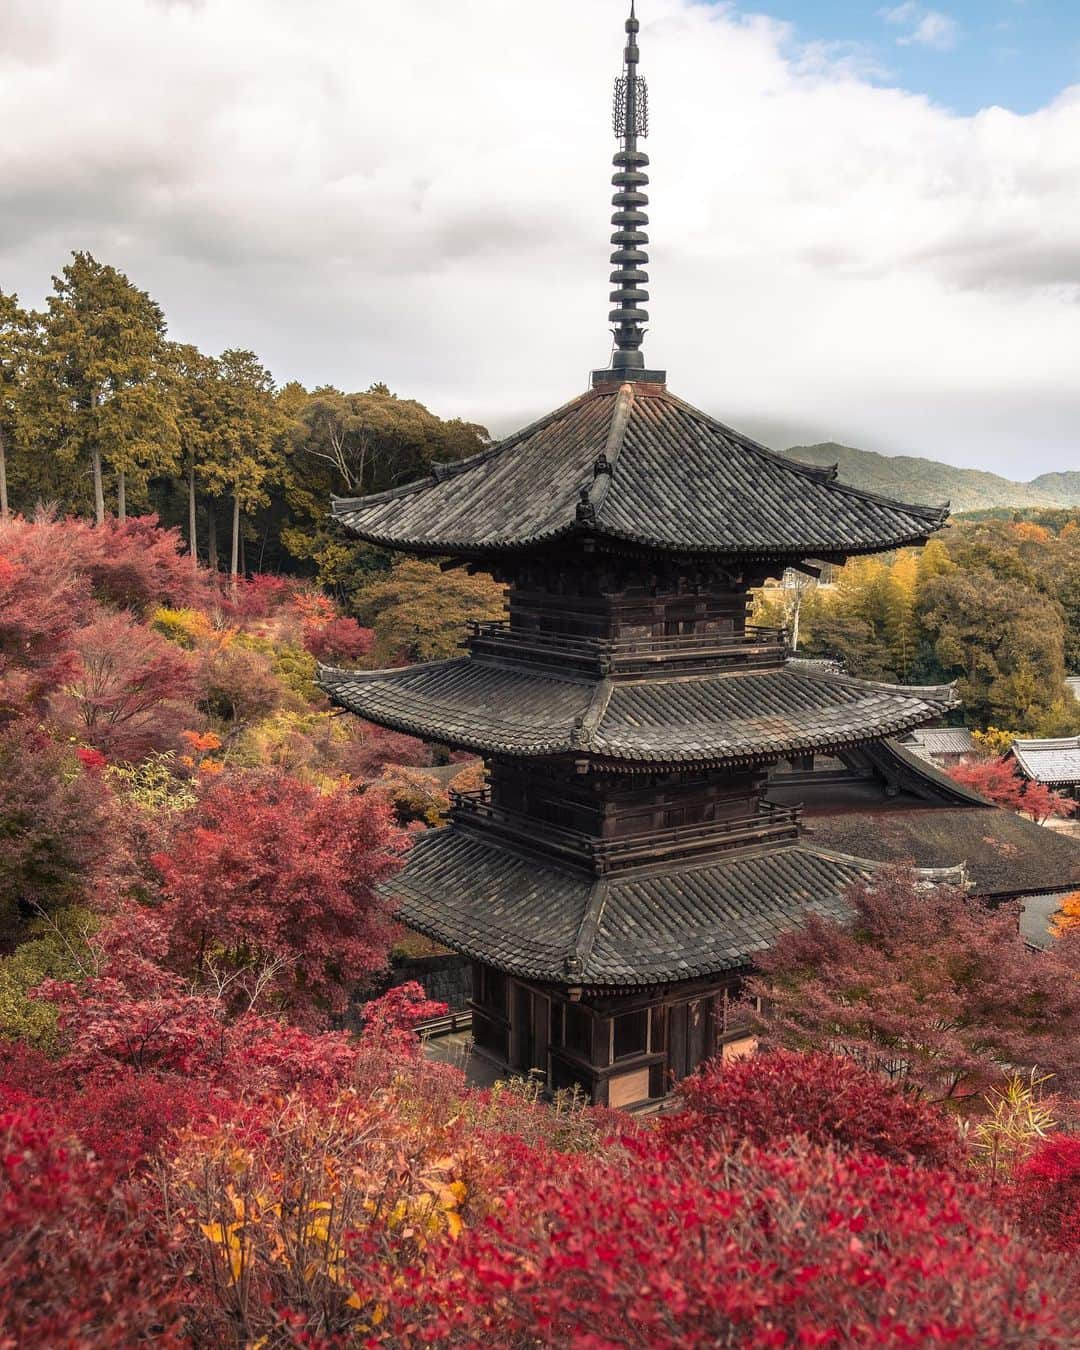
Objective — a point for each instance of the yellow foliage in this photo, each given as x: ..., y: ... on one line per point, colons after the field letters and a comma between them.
x: 1068, y: 916
x: 187, y: 627
x: 994, y: 740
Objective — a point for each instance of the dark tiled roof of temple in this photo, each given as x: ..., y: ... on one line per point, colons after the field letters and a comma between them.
x: 1006, y: 854
x: 641, y: 466
x: 734, y: 717
x: 540, y: 922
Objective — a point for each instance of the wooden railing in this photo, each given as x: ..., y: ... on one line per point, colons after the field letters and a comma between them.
x: 628, y: 655
x: 769, y: 824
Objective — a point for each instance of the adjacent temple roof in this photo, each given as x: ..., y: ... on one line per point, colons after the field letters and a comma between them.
x: 931, y: 741
x: 733, y: 717
x: 1055, y: 763
x: 541, y: 922
x: 1006, y: 855
x: 637, y: 465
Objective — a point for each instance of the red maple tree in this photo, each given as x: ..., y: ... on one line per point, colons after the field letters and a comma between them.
x: 270, y: 892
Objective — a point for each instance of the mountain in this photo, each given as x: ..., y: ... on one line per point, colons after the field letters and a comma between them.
x: 912, y: 479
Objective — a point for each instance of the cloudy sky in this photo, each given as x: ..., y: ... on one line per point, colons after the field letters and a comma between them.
x: 865, y: 218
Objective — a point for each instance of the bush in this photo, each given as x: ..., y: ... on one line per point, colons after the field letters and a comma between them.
x: 827, y: 1099
x: 1048, y: 1192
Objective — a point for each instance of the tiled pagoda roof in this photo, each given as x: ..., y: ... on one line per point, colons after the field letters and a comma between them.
x: 730, y: 717
x: 540, y: 922
x: 642, y: 467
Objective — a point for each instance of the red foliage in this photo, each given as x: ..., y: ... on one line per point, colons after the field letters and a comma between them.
x: 256, y: 597
x: 60, y: 845
x: 132, y: 692
x: 766, y: 1098
x: 801, y: 1247
x: 82, y: 1263
x: 41, y: 603
x: 927, y: 982
x: 342, y: 640
x: 390, y: 1022
x: 1048, y: 1192
x: 373, y: 749
x: 1001, y: 781
x: 270, y: 886
x: 135, y: 564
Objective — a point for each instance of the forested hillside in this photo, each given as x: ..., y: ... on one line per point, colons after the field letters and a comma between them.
x: 913, y: 479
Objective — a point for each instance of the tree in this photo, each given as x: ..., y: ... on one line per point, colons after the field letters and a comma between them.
x: 96, y: 380
x: 926, y: 984
x: 1001, y: 781
x: 16, y: 330
x: 200, y: 418
x: 269, y: 882
x: 419, y: 612
x: 132, y: 692
x: 245, y: 456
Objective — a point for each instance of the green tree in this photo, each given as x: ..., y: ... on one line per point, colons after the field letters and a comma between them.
x: 98, y: 387
x: 200, y: 419
x: 16, y: 330
x: 245, y: 454
x: 419, y: 612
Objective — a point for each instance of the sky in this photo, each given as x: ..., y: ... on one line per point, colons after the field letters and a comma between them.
x: 865, y: 218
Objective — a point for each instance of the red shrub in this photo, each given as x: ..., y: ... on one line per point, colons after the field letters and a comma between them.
x: 805, y: 1247
x: 82, y: 1262
x: 767, y: 1098
x: 1048, y: 1192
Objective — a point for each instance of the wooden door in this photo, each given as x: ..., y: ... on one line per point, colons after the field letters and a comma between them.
x: 689, y: 1027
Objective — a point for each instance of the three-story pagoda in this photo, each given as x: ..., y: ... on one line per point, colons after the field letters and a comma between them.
x: 625, y: 863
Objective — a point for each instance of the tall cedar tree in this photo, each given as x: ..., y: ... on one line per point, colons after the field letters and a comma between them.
x: 16, y: 329
x: 927, y: 984
x: 201, y: 421
x: 96, y: 389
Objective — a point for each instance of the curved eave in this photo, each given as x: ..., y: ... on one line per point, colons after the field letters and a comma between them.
x: 455, y: 703
x: 785, y: 553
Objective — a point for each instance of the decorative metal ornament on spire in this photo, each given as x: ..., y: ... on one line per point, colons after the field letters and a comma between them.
x: 630, y: 259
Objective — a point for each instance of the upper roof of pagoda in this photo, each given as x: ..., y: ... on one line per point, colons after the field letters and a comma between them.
x: 635, y: 464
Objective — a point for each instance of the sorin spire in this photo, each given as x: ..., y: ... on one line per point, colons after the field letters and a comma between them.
x: 631, y: 125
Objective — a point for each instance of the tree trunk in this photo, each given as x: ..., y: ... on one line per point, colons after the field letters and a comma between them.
x: 235, y: 568
x: 5, y: 510
x: 193, y: 538
x: 99, y: 488
x: 211, y: 537
x: 243, y: 554
x: 121, y: 496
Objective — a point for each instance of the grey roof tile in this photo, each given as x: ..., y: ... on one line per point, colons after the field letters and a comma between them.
x: 680, y: 482
x: 525, y: 917
x: 728, y: 717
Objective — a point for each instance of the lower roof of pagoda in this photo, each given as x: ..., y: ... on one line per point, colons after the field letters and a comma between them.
x: 540, y: 922
x: 727, y: 718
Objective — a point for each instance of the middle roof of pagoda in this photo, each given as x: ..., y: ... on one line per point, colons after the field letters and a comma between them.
x: 636, y: 465
x: 728, y: 718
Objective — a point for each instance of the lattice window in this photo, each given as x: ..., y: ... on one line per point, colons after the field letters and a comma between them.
x: 641, y: 106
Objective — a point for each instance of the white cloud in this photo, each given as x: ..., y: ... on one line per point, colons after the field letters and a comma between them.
x: 926, y: 27
x: 418, y: 192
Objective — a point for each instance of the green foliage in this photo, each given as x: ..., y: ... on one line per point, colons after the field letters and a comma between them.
x: 993, y: 605
x: 58, y: 950
x: 154, y: 784
x: 96, y: 387
x: 419, y: 612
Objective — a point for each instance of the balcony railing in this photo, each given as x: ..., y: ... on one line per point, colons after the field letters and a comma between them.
x: 628, y: 655
x: 769, y: 824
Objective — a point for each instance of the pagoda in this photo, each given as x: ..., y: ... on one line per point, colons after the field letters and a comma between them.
x: 615, y: 879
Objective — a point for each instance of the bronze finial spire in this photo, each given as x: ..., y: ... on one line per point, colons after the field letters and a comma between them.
x: 631, y: 123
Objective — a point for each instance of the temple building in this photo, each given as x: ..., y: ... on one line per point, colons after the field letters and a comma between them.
x: 648, y: 750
